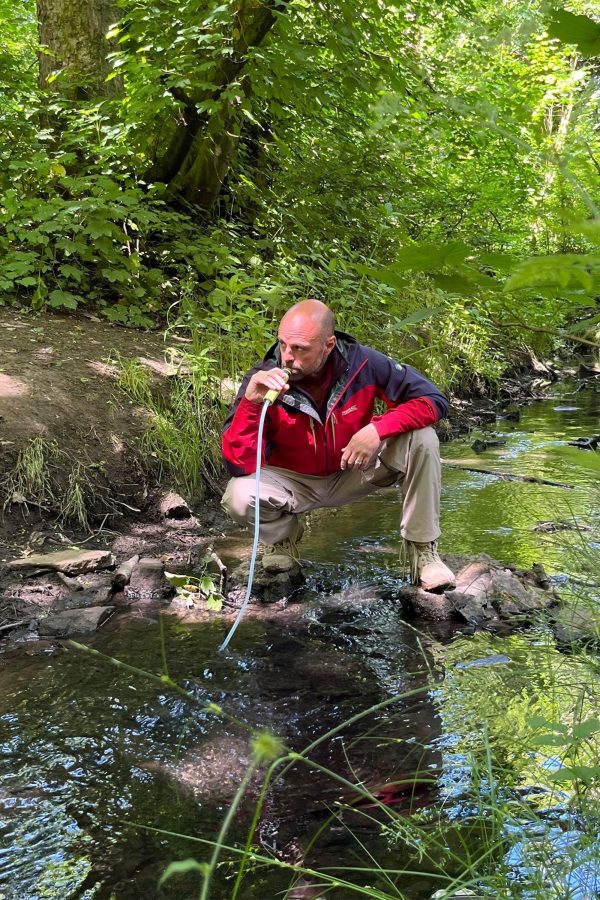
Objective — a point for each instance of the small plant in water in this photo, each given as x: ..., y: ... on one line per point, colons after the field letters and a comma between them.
x: 192, y: 588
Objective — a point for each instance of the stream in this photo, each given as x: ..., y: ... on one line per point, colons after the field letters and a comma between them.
x: 101, y: 771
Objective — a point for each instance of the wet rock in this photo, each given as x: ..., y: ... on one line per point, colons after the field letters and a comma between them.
x: 148, y: 581
x: 575, y: 624
x: 480, y: 446
x: 68, y: 561
x: 586, y: 443
x: 436, y: 607
x: 75, y: 621
x: 486, y: 592
x: 266, y: 588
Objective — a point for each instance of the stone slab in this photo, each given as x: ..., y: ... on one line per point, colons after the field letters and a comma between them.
x: 75, y: 621
x: 71, y: 562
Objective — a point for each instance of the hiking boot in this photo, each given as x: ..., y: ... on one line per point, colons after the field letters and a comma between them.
x: 283, y: 556
x: 426, y: 567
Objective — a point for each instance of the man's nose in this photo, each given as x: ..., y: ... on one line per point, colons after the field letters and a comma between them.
x: 287, y: 358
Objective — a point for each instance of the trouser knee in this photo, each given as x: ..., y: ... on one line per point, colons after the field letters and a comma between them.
x: 239, y: 500
x: 422, y: 443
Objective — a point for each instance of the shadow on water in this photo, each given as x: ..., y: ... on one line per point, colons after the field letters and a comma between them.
x: 88, y: 753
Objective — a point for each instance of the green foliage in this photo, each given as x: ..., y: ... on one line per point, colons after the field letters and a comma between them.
x: 191, y: 588
x: 415, y: 175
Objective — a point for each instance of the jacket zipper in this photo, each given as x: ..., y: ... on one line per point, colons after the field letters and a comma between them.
x: 312, y: 428
x: 360, y: 368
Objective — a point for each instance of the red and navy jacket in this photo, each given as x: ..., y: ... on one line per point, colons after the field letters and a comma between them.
x: 300, y: 438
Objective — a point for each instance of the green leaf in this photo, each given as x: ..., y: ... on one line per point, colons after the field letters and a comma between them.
x: 455, y: 284
x: 214, y: 602
x: 576, y: 773
x: 551, y: 740
x: 574, y: 29
x: 586, y: 729
x: 182, y: 867
x: 420, y: 315
x: 177, y: 580
x: 207, y: 585
x: 540, y: 722
x: 64, y: 299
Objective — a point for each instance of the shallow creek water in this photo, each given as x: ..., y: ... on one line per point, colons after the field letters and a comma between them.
x: 93, y: 758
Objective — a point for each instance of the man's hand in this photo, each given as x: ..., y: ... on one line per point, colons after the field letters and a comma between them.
x: 361, y: 448
x: 261, y: 382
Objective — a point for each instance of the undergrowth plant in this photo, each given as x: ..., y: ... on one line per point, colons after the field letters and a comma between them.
x: 45, y: 477
x: 182, y: 436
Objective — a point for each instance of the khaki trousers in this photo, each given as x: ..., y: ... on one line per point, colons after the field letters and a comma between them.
x: 411, y: 459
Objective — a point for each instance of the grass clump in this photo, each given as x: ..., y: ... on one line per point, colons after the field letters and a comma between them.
x: 182, y: 439
x: 43, y: 477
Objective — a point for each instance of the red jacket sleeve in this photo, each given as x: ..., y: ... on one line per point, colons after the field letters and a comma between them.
x: 239, y: 440
x: 417, y: 413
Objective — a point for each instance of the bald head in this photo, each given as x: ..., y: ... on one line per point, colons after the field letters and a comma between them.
x: 314, y: 312
x: 306, y: 338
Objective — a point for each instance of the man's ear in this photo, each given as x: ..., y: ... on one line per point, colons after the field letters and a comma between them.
x: 330, y: 343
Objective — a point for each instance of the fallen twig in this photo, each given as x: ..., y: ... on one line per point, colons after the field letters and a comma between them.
x: 223, y: 571
x: 507, y: 476
x: 15, y: 624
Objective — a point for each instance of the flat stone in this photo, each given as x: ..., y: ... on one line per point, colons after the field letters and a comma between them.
x: 75, y: 621
x: 71, y: 562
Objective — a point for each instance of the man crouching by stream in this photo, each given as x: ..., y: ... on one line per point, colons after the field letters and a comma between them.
x: 324, y: 447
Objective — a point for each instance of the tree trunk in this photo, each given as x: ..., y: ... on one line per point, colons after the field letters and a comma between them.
x: 201, y: 149
x: 73, y: 37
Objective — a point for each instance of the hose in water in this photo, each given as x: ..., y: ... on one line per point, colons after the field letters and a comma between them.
x: 270, y: 398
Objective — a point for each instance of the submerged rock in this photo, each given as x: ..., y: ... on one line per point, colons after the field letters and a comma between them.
x: 576, y: 624
x: 75, y: 621
x: 266, y: 587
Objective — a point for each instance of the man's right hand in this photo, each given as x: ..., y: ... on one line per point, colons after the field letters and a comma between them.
x: 261, y: 382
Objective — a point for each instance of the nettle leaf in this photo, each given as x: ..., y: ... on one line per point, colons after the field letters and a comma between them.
x: 536, y: 721
x: 69, y: 271
x: 430, y: 256
x: 574, y: 29
x: 455, y: 284
x: 559, y: 271
x: 384, y: 276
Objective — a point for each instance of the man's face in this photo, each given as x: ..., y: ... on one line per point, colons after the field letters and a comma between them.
x: 303, y: 348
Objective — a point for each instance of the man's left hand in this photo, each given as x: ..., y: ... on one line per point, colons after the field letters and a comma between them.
x: 361, y: 448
